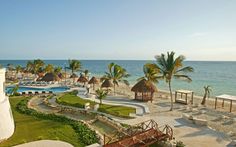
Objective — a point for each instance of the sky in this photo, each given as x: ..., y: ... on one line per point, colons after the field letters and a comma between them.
x: 117, y: 29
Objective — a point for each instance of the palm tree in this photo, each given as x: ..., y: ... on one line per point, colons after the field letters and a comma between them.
x: 49, y: 68
x: 101, y: 94
x: 74, y: 65
x: 170, y: 67
x: 151, y: 73
x: 18, y: 69
x: 57, y: 69
x: 29, y: 66
x: 207, y: 91
x: 37, y: 65
x: 10, y: 67
x: 14, y: 90
x: 116, y: 74
x: 86, y: 73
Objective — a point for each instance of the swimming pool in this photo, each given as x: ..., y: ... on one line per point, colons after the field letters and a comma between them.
x: 53, y: 89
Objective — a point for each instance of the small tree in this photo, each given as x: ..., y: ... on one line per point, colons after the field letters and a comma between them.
x: 207, y: 91
x: 101, y: 94
x: 14, y: 90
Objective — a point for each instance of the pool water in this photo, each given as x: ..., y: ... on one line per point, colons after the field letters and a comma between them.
x: 53, y: 89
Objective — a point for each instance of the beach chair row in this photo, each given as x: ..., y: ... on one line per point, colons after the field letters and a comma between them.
x: 37, y: 83
x: 35, y: 92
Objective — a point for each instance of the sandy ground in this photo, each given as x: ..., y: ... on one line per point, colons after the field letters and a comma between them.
x: 45, y: 143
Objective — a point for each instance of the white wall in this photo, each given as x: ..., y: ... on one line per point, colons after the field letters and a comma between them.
x: 2, y: 81
x: 7, y: 125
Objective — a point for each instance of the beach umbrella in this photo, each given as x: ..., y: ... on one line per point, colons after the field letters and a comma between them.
x: 50, y: 77
x: 93, y: 81
x: 145, y: 88
x: 106, y: 84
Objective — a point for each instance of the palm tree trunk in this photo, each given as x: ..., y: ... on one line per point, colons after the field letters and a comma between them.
x: 73, y: 76
x: 100, y: 101
x: 114, y: 89
x: 204, y: 99
x: 171, y: 97
x: 16, y: 75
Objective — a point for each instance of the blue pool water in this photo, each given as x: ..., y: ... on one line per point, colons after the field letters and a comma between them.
x: 53, y: 89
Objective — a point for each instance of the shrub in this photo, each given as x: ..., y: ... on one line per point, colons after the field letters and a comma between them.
x: 74, y: 92
x: 180, y: 144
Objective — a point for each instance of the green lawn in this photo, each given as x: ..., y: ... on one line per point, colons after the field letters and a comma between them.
x: 29, y: 129
x: 73, y: 100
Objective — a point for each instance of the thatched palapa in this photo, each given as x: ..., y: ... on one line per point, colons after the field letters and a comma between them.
x: 82, y: 79
x: 106, y: 84
x: 50, y: 77
x: 93, y: 81
x: 144, y: 90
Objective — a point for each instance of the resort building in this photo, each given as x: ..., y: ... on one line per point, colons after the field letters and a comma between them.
x: 7, y: 126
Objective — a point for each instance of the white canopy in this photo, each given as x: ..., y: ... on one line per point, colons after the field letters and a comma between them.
x: 184, y: 91
x: 227, y: 97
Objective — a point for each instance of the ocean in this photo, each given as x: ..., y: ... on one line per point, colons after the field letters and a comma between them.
x: 221, y: 76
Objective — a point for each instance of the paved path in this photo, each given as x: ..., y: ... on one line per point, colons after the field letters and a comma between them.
x: 141, y: 108
x: 45, y: 143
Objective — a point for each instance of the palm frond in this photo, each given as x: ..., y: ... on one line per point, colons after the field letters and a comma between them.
x: 183, y: 77
x: 126, y: 82
x: 185, y: 69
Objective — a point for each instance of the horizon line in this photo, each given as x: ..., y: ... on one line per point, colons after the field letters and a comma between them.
x: 117, y: 60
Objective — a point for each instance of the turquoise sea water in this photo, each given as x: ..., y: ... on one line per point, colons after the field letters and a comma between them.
x: 220, y: 75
